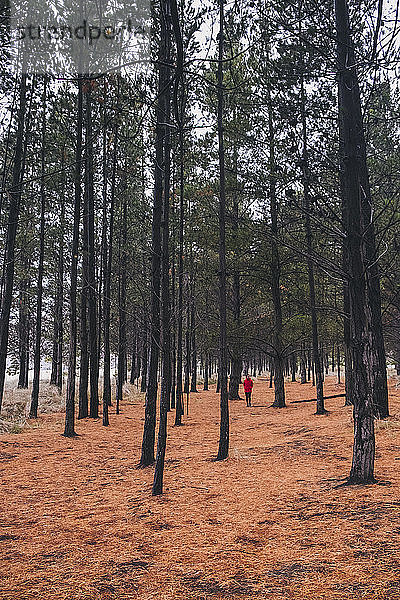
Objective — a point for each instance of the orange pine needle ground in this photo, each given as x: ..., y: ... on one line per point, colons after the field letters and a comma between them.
x: 79, y: 522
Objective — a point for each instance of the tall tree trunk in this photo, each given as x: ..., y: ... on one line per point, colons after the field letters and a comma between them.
x: 13, y: 215
x: 121, y: 368
x: 134, y: 358
x: 107, y: 261
x: 92, y: 282
x: 187, y: 343
x: 143, y: 383
x: 104, y: 249
x: 193, y: 386
x: 54, y: 355
x: 38, y: 329
x: 303, y: 373
x: 173, y: 303
x: 60, y: 291
x: 236, y: 372
x: 353, y: 165
x: 279, y: 381
x: 23, y: 324
x: 179, y: 100
x: 165, y: 52
x: 69, y: 430
x: 84, y: 358
x: 309, y: 243
x: 223, y: 448
x: 147, y: 453
x: 179, y: 357
x: 58, y: 330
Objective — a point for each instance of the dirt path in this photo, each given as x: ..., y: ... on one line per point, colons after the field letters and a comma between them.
x: 79, y: 523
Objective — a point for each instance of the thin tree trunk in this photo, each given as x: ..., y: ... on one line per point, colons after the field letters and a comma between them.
x: 69, y: 430
x: 293, y: 366
x: 309, y: 242
x: 23, y: 323
x: 143, y: 383
x: 57, y: 358
x: 223, y: 448
x: 147, y: 453
x: 173, y: 306
x: 33, y: 413
x: 92, y: 283
x: 187, y: 340
x: 107, y: 260
x: 179, y: 358
x: 122, y: 308
x: 206, y: 369
x: 84, y: 358
x: 165, y: 73
x: 179, y: 110
x: 236, y: 372
x: 303, y: 372
x: 104, y: 254
x: 134, y: 360
x: 279, y: 381
x: 193, y: 386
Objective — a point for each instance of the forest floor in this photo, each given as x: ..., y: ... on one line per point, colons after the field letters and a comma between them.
x: 79, y: 522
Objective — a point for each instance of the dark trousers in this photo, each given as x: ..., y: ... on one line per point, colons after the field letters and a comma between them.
x: 248, y: 398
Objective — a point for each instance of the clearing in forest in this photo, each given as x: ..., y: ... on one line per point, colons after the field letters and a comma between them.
x: 79, y: 521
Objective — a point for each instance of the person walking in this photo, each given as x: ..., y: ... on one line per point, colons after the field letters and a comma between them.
x: 248, y: 387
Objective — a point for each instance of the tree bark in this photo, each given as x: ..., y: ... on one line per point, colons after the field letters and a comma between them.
x: 122, y: 307
x: 143, y: 383
x: 33, y: 413
x: 279, y: 381
x: 206, y: 370
x: 107, y: 261
x: 57, y: 358
x: 352, y: 163
x: 303, y: 372
x: 83, y: 411
x: 165, y: 73
x: 223, y: 448
x: 179, y: 357
x: 69, y: 430
x: 237, y: 365
x: 92, y: 282
x: 293, y: 366
x: 23, y: 324
x: 309, y: 244
x: 179, y: 100
x: 147, y: 454
x: 193, y: 386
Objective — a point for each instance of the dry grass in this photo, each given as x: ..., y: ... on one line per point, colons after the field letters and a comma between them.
x: 15, y: 409
x: 270, y: 523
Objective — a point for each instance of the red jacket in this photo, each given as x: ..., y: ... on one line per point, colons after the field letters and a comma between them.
x: 248, y: 385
